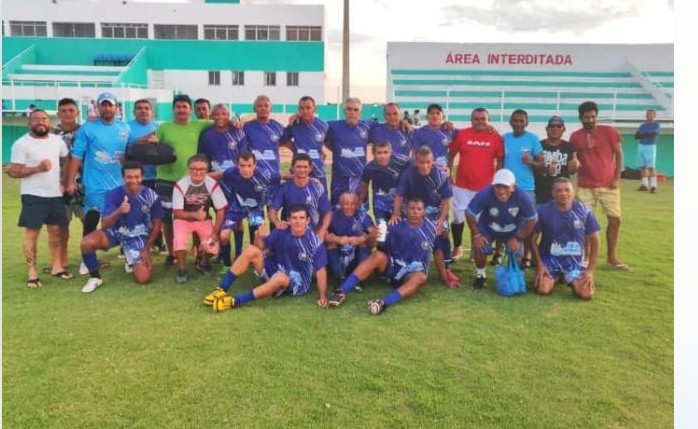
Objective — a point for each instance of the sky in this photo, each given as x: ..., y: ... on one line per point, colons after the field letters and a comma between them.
x: 475, y: 21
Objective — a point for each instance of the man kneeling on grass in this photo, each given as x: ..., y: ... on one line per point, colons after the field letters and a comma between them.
x: 404, y: 260
x: 564, y: 225
x: 132, y: 218
x: 284, y: 260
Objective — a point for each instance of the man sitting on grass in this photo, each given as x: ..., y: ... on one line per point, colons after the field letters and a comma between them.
x: 404, y: 260
x: 132, y: 218
x: 284, y: 260
x: 564, y: 225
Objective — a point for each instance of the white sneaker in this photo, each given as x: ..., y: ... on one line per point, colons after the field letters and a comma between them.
x: 128, y: 268
x: 92, y: 284
x: 83, y: 270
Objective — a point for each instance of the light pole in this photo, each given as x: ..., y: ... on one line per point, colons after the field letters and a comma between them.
x: 345, y: 53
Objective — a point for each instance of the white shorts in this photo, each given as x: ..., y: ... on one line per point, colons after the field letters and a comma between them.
x: 461, y: 199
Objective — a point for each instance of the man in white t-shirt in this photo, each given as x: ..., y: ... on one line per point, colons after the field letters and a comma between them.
x: 36, y: 159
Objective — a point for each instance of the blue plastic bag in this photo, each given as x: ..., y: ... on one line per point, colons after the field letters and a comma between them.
x: 509, y: 276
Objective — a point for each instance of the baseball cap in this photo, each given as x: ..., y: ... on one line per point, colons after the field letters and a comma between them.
x: 106, y: 96
x: 504, y: 177
x: 435, y: 106
x: 556, y: 120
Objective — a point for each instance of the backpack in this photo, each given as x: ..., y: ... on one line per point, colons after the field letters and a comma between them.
x: 151, y: 154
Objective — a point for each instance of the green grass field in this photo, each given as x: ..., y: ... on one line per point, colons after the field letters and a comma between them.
x: 130, y: 356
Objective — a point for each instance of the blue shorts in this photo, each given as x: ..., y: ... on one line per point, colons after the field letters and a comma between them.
x: 132, y: 245
x: 490, y: 240
x: 296, y: 284
x: 647, y: 155
x: 397, y: 272
x: 236, y: 214
x: 568, y: 267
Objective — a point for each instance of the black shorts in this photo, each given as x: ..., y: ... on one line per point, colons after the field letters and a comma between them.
x: 39, y: 211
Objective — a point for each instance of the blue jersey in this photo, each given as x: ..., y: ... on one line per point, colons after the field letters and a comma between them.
x: 313, y: 196
x: 139, y: 130
x: 348, y: 144
x: 309, y: 138
x: 646, y: 128
x: 437, y: 140
x: 222, y: 148
x: 411, y: 246
x: 400, y: 141
x: 514, y: 147
x: 297, y: 257
x: 263, y: 141
x: 432, y: 189
x: 101, y: 147
x: 501, y: 219
x: 385, y: 180
x: 350, y: 226
x: 245, y: 193
x: 138, y: 222
x: 563, y: 232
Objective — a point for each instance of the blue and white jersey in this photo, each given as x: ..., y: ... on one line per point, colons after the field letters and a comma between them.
x: 297, y: 257
x: 309, y: 138
x: 437, y: 140
x: 138, y: 222
x: 249, y: 193
x: 514, y: 147
x: 350, y: 226
x: 501, y: 219
x: 101, y: 147
x: 222, y: 148
x: 400, y: 141
x: 411, y: 246
x: 263, y: 141
x: 313, y: 196
x: 139, y: 130
x: 432, y: 189
x: 348, y: 144
x: 384, y: 181
x: 563, y: 232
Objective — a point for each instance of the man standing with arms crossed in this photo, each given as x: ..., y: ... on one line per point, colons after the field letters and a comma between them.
x: 647, y: 151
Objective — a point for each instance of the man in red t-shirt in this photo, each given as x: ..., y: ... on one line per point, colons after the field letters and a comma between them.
x: 481, y: 152
x: 601, y: 160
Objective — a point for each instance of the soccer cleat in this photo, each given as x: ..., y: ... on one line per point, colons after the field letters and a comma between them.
x: 526, y: 264
x: 643, y: 188
x: 92, y: 284
x: 653, y: 190
x: 224, y: 303
x: 452, y: 279
x: 83, y: 270
x: 480, y: 282
x: 337, y: 298
x: 215, y: 294
x: 457, y: 253
x: 376, y: 306
x: 128, y: 268
x: 181, y: 277
x: 358, y: 288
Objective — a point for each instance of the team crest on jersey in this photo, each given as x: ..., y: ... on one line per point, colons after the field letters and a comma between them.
x: 232, y: 144
x: 425, y: 245
x: 356, y: 227
x: 145, y: 208
x: 363, y: 134
x: 513, y: 211
x: 494, y: 212
x: 319, y: 137
x: 403, y: 142
x: 577, y: 224
x: 275, y: 137
x: 259, y: 188
x: 302, y: 256
x: 123, y: 135
x: 445, y: 141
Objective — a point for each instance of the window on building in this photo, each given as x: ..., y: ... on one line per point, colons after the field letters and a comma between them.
x: 303, y: 33
x: 124, y: 31
x: 269, y: 78
x: 73, y: 29
x: 221, y: 32
x: 238, y: 78
x: 27, y: 28
x: 262, y: 32
x: 214, y: 78
x: 291, y: 78
x: 163, y: 31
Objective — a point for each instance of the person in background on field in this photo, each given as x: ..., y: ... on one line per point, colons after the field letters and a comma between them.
x: 202, y: 108
x: 559, y: 160
x: 564, y: 225
x: 647, y: 135
x: 132, y: 219
x: 436, y: 136
x: 35, y: 160
x: 600, y: 153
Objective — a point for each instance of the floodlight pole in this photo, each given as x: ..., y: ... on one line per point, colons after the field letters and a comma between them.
x: 345, y: 53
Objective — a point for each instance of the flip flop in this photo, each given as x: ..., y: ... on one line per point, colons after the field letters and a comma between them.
x: 63, y: 275
x: 34, y: 283
x: 48, y: 270
x: 619, y: 266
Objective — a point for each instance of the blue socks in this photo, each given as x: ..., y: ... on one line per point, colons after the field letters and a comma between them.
x: 90, y: 260
x: 349, y: 283
x: 244, y: 298
x: 392, y: 298
x: 228, y: 280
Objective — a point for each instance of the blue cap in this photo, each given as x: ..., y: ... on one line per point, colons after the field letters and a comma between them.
x: 556, y: 120
x: 106, y: 96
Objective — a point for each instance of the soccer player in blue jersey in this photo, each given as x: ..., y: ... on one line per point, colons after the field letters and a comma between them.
x: 263, y: 137
x: 284, y: 260
x: 222, y: 142
x: 382, y: 173
x: 348, y: 140
x: 436, y: 137
x: 306, y: 134
x: 501, y: 212
x: 350, y: 237
x: 564, y: 225
x: 302, y: 190
x: 392, y: 131
x: 647, y: 135
x: 133, y: 219
x: 99, y: 148
x: 245, y: 187
x: 428, y: 183
x: 405, y: 265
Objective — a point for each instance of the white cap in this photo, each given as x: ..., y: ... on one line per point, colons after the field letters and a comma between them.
x: 504, y: 177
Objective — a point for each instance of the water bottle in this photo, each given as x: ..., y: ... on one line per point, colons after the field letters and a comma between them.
x: 382, y: 230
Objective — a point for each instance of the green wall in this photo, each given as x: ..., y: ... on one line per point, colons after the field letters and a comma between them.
x: 665, y: 153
